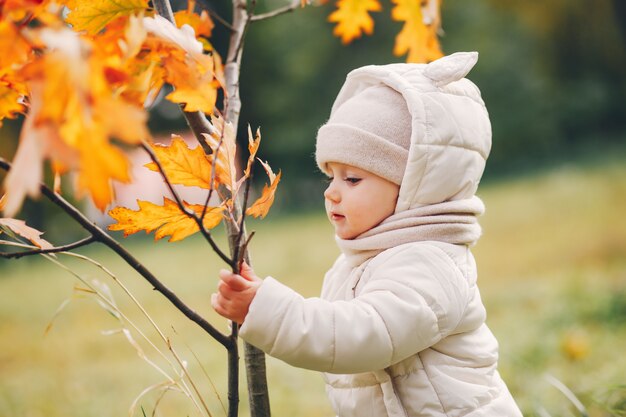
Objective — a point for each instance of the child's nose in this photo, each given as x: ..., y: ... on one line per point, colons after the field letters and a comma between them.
x: 331, y: 193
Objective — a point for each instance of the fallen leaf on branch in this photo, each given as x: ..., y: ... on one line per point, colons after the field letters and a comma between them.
x: 19, y: 227
x: 353, y: 18
x: 166, y: 220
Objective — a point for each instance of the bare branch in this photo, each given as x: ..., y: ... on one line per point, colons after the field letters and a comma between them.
x: 282, y: 10
x: 216, y: 16
x: 238, y: 255
x: 102, y: 237
x: 181, y: 206
x: 64, y: 248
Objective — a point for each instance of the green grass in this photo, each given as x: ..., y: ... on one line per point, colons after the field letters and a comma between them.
x: 552, y: 269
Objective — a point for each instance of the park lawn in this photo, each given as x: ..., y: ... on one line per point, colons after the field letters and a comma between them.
x: 552, y: 269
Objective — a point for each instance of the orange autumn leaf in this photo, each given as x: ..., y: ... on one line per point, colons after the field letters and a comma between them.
x: 19, y: 227
x: 353, y: 18
x: 187, y: 69
x: 201, y: 23
x: 93, y: 15
x: 262, y: 205
x: 100, y: 163
x: 418, y: 36
x: 10, y: 101
x: 15, y: 49
x: 166, y: 220
x: 83, y: 111
x: 183, y: 165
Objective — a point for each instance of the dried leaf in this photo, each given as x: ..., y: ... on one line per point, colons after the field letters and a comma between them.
x: 32, y: 234
x: 262, y: 205
x: 253, y: 147
x: 416, y: 37
x: 223, y: 143
x: 353, y: 18
x: 93, y: 15
x: 166, y: 220
x: 183, y: 165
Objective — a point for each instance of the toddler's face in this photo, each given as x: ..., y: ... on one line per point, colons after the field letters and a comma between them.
x: 357, y: 200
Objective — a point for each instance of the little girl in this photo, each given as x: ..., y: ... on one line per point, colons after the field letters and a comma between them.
x: 400, y: 328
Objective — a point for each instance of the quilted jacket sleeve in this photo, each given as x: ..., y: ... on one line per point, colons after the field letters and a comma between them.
x: 411, y: 299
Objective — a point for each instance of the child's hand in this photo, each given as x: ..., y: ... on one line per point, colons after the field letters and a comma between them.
x: 235, y: 293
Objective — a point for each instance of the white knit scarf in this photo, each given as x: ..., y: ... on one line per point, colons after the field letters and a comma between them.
x: 451, y: 222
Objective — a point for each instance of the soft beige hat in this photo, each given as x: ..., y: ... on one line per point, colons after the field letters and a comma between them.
x: 371, y: 130
x: 429, y: 109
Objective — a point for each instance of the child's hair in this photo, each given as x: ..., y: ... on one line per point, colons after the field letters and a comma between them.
x: 428, y: 114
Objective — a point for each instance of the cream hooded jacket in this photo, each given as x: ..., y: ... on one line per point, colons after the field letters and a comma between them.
x: 399, y: 329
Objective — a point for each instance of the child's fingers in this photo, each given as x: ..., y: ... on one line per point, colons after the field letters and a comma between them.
x: 248, y: 273
x: 234, y: 281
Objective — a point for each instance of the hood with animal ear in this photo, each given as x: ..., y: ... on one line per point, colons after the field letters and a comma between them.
x: 450, y: 132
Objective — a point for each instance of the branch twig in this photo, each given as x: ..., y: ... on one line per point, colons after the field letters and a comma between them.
x: 216, y: 16
x: 240, y: 252
x: 282, y: 10
x: 102, y: 237
x: 64, y: 248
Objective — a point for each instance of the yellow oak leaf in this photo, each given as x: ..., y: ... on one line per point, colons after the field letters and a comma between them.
x: 194, y: 83
x: 195, y: 76
x: 183, y: 165
x: 353, y: 18
x: 93, y: 15
x: 417, y: 37
x: 262, y: 205
x: 166, y: 220
x: 19, y: 227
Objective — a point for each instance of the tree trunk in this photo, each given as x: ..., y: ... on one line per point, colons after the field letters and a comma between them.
x: 254, y: 358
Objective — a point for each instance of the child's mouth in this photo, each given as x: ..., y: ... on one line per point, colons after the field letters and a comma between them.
x: 336, y: 217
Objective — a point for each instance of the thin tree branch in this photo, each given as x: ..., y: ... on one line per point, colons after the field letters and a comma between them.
x: 64, y: 248
x: 216, y: 16
x: 237, y: 257
x: 244, y: 250
x: 207, y: 235
x: 282, y: 10
x: 247, y: 12
x: 102, y: 237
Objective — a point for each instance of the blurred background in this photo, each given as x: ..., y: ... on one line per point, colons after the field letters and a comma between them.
x: 552, y: 259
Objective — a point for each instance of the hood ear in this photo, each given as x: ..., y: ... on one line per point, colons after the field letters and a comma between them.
x: 450, y: 68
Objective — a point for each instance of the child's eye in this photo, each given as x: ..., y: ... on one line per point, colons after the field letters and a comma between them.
x: 328, y: 180
x: 353, y: 180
